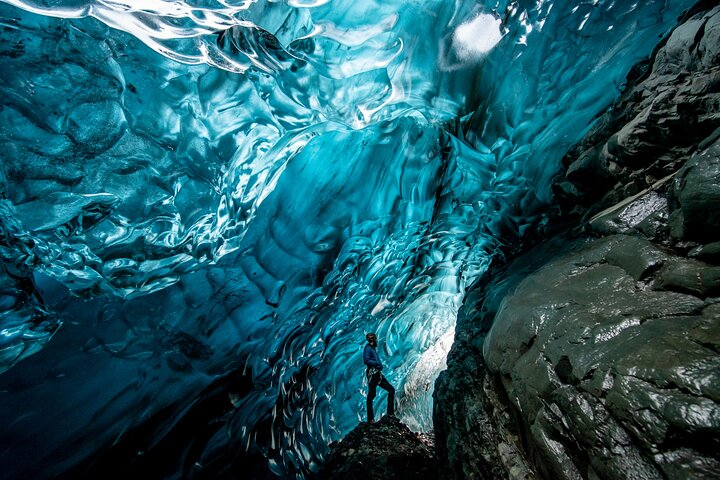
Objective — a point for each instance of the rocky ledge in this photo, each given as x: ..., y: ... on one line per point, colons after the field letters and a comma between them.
x: 384, y: 450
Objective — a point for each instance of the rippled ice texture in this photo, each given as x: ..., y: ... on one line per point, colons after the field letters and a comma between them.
x: 224, y: 196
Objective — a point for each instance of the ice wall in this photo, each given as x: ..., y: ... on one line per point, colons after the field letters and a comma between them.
x: 233, y: 193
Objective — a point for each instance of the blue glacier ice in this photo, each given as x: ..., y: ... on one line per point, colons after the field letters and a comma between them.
x: 204, y: 206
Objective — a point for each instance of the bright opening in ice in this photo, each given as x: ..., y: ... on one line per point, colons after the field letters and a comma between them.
x: 477, y: 37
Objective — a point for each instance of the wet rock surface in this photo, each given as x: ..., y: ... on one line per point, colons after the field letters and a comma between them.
x: 602, y: 362
x: 386, y: 449
x: 596, y: 354
x: 610, y: 378
x: 696, y: 191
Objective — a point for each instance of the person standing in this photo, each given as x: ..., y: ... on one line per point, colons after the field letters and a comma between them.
x: 376, y: 378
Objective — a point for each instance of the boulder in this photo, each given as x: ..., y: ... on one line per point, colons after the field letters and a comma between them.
x: 697, y: 192
x: 709, y: 253
x: 690, y: 276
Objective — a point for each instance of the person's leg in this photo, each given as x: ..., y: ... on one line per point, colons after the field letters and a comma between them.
x: 372, y: 386
x: 385, y: 385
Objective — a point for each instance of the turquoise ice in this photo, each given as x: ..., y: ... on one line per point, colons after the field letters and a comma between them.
x: 233, y: 193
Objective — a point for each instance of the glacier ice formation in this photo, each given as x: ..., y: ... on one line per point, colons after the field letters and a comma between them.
x: 205, y: 205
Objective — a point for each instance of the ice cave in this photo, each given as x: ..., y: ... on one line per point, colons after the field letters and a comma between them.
x: 205, y: 206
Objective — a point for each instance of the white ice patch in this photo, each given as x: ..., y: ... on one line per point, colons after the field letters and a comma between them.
x: 475, y: 38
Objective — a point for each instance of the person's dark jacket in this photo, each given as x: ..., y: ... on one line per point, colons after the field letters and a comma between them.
x: 371, y: 357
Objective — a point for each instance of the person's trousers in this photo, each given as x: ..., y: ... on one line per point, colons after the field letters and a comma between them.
x: 375, y: 380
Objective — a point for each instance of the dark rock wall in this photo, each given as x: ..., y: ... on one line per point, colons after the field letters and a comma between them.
x: 613, y: 371
x: 597, y: 353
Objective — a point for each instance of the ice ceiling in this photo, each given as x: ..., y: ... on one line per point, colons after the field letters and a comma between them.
x: 226, y: 195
